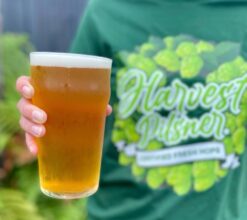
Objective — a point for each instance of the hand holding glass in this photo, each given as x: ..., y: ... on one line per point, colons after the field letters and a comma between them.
x: 74, y: 91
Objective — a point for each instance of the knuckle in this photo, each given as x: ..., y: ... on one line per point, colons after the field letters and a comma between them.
x: 19, y: 82
x: 24, y: 78
x: 23, y: 106
x: 20, y: 103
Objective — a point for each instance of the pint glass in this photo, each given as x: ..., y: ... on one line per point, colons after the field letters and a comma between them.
x: 74, y: 91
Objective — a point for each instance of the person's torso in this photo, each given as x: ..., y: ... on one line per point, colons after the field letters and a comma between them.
x: 175, y: 144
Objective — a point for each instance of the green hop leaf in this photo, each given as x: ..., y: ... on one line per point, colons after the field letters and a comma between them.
x: 129, y: 121
x: 239, y: 140
x: 203, y: 46
x: 244, y: 98
x: 239, y: 61
x: 241, y: 118
x: 154, y: 145
x: 241, y: 64
x: 191, y: 66
x: 130, y: 131
x: 118, y: 135
x: 220, y: 172
x: 211, y: 77
x: 147, y: 65
x: 154, y: 179
x: 203, y: 183
x: 133, y: 59
x: 231, y: 122
x: 186, y: 49
x: 182, y: 188
x: 124, y: 160
x: 120, y: 73
x: 227, y: 72
x: 243, y: 113
x: 243, y: 69
x: 137, y: 170
x: 131, y: 134
x: 178, y: 174
x: 141, y: 62
x: 228, y: 143
x: 119, y: 124
x: 146, y: 47
x: 163, y: 171
x: 204, y: 168
x: 173, y: 178
x: 169, y: 42
x: 168, y: 59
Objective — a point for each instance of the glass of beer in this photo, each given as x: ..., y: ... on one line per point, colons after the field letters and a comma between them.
x: 74, y: 91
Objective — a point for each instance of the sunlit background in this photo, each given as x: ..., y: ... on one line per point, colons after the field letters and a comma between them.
x: 29, y: 25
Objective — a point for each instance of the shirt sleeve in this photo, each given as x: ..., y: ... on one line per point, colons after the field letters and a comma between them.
x: 88, y: 39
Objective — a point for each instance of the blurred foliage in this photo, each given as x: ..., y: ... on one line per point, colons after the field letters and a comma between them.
x: 14, y: 61
x: 20, y: 196
x: 13, y: 205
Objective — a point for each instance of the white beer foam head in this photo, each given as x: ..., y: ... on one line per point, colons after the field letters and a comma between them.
x: 69, y: 60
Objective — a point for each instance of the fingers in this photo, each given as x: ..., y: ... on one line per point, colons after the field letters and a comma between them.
x: 31, y: 112
x: 32, y: 128
x: 32, y: 116
x: 31, y: 144
x: 24, y: 87
x: 108, y: 110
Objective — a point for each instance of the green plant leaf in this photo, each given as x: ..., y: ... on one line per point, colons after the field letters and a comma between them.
x: 14, y: 206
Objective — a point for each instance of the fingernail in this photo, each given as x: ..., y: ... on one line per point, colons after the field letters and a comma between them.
x: 33, y: 150
x: 27, y: 91
x: 38, y: 116
x: 37, y: 131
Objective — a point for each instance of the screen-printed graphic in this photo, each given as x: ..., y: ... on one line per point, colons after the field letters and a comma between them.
x: 181, y: 117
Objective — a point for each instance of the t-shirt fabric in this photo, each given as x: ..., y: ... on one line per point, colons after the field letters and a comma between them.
x: 174, y: 145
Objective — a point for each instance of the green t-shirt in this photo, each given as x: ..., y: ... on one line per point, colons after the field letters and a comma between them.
x: 175, y: 144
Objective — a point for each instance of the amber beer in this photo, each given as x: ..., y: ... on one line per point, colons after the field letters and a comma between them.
x: 74, y: 91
